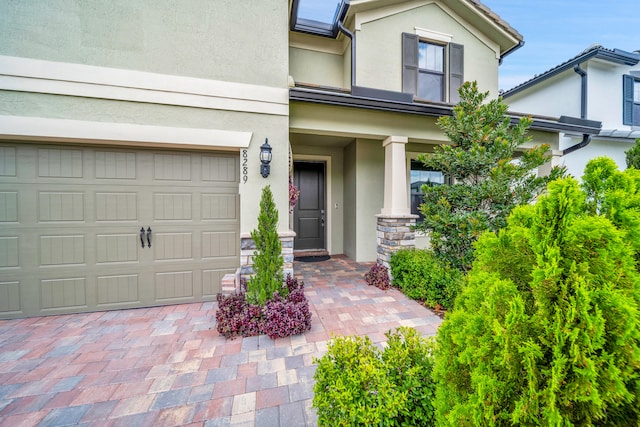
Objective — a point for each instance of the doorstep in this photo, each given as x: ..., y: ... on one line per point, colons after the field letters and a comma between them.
x: 309, y: 252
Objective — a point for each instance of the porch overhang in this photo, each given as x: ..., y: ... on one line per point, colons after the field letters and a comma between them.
x: 432, y: 109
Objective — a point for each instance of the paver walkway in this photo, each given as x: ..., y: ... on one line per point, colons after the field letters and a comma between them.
x: 167, y: 366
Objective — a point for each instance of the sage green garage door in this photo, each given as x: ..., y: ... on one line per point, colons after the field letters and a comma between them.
x: 74, y: 220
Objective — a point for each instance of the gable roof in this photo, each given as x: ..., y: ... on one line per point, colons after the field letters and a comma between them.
x: 491, y: 23
x: 595, y: 51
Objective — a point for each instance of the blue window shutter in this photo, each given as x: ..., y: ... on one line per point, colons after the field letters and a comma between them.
x: 456, y: 71
x: 410, y: 63
x: 627, y: 100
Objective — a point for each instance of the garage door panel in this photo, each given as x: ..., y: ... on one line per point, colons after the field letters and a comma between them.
x: 9, y: 251
x: 116, y: 206
x: 7, y: 161
x: 10, y: 297
x: 59, y: 163
x: 61, y: 206
x: 64, y: 293
x: 175, y: 167
x: 220, y: 206
x: 219, y: 244
x: 172, y: 206
x: 117, y: 289
x: 115, y: 165
x: 9, y: 206
x: 174, y: 285
x: 220, y: 169
x: 173, y: 246
x: 116, y: 248
x: 61, y: 250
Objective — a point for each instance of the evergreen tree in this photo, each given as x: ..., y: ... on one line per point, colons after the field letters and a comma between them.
x: 547, y: 331
x: 487, y: 183
x: 633, y: 155
x: 267, y: 261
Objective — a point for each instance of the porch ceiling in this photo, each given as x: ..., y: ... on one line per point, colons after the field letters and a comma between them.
x: 319, y: 140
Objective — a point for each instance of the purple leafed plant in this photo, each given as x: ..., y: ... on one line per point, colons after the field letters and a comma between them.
x: 378, y: 276
x: 279, y: 317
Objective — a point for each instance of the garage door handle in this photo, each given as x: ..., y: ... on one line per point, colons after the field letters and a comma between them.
x: 149, y: 236
x: 142, y: 236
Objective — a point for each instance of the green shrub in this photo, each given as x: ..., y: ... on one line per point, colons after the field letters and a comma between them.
x: 267, y: 261
x: 409, y: 367
x: 358, y: 385
x: 422, y: 276
x: 547, y: 329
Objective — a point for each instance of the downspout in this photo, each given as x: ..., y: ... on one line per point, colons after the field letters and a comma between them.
x: 353, y: 51
x: 583, y: 90
x: 586, y: 138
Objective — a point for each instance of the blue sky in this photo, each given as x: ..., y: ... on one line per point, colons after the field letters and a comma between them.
x: 555, y: 31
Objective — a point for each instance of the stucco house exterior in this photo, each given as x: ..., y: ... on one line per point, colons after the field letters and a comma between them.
x: 131, y: 135
x: 597, y: 84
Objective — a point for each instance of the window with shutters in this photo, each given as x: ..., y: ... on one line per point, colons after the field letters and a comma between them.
x: 429, y: 68
x: 631, y: 100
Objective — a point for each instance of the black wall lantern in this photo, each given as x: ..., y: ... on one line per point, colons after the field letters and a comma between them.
x: 265, y: 158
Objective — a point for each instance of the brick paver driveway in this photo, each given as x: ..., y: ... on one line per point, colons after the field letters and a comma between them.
x: 168, y: 365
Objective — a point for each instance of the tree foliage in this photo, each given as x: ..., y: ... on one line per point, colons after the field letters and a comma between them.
x: 547, y: 331
x: 633, y: 155
x: 267, y: 261
x: 487, y: 183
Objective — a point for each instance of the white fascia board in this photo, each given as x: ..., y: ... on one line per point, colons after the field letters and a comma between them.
x: 75, y: 131
x: 34, y: 75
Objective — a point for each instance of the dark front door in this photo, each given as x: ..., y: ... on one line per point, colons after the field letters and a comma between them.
x: 309, y: 213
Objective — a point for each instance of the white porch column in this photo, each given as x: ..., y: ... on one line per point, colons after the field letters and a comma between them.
x: 395, y: 177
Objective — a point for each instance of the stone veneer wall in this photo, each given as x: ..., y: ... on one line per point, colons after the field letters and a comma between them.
x: 395, y: 232
x: 248, y: 247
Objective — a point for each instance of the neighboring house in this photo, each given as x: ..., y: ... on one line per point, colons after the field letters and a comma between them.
x: 130, y: 136
x: 598, y: 84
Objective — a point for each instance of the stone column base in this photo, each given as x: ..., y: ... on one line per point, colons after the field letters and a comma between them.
x: 395, y: 232
x: 248, y: 248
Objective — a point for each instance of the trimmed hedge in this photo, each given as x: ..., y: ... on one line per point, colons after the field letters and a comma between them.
x: 359, y: 385
x: 421, y: 276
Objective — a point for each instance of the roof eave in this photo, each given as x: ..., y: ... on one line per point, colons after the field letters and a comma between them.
x: 576, y: 126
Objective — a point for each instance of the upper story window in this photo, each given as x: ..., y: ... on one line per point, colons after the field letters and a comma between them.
x: 431, y: 78
x: 431, y: 70
x: 631, y: 100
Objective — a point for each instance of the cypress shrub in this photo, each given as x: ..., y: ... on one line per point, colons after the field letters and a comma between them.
x: 267, y: 261
x: 547, y: 329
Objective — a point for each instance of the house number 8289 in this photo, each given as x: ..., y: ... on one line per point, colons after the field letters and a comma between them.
x: 245, y: 167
